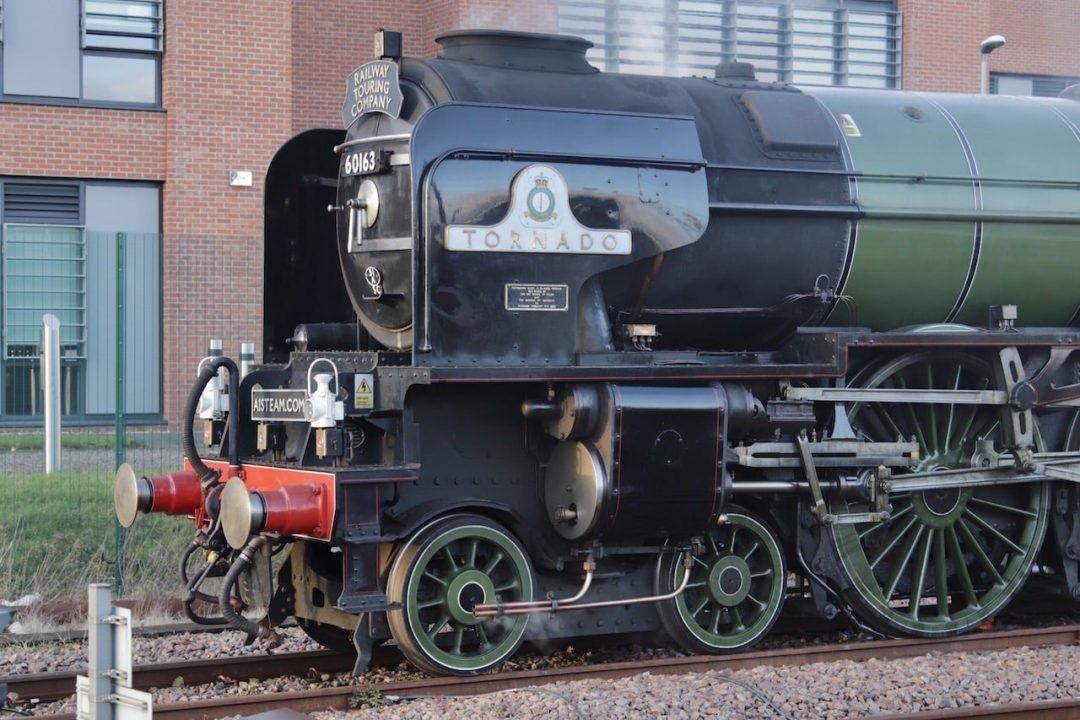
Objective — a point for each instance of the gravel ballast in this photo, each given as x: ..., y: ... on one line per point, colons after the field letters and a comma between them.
x: 18, y: 659
x: 826, y: 690
x: 821, y: 690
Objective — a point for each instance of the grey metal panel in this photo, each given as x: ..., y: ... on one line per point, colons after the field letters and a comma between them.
x: 1013, y: 85
x: 133, y: 210
x: 101, y: 321
x: 41, y: 48
x: 143, y: 327
x: 125, y: 208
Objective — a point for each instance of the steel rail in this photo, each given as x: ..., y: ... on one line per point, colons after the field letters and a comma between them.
x: 338, y: 698
x: 1068, y: 709
x: 48, y: 687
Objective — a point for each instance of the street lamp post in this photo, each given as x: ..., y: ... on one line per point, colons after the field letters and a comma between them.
x: 986, y: 47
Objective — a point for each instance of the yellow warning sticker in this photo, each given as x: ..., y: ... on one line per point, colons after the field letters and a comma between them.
x: 848, y: 124
x: 364, y: 392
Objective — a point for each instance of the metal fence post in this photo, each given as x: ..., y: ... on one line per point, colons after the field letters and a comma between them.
x: 50, y: 381
x: 121, y: 406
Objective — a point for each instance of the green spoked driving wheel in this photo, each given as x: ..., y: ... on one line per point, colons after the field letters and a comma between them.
x: 946, y: 560
x: 437, y: 578
x: 735, y: 591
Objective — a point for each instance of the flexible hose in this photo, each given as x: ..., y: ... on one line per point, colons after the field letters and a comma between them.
x: 187, y: 432
x: 200, y: 619
x: 192, y: 584
x: 242, y: 563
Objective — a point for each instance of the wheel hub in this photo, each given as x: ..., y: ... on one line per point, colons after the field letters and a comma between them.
x: 467, y: 590
x: 942, y: 502
x: 729, y: 580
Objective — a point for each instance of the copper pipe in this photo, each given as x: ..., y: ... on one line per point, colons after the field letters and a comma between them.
x: 491, y: 610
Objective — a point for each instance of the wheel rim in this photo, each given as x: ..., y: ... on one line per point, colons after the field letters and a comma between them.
x: 452, y: 569
x: 736, y: 587
x: 948, y: 559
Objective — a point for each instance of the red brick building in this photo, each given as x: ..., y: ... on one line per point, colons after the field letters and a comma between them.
x: 142, y: 116
x: 941, y: 40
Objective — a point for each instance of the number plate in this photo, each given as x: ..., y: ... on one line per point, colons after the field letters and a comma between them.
x: 367, y: 162
x: 278, y: 405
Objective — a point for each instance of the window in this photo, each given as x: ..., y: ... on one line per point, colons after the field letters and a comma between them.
x: 82, y: 51
x: 1031, y: 85
x: 815, y: 42
x: 44, y: 272
x: 60, y: 243
x: 121, y: 42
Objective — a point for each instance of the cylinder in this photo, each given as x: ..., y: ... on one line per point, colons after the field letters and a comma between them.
x: 288, y: 510
x: 174, y: 493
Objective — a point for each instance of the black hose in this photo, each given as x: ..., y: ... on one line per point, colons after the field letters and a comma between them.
x: 192, y: 592
x: 187, y: 433
x: 200, y: 619
x: 242, y: 563
x: 192, y: 584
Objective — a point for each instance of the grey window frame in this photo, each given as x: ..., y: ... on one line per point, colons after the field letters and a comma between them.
x: 82, y: 419
x: 84, y: 49
x: 4, y: 301
x: 995, y: 76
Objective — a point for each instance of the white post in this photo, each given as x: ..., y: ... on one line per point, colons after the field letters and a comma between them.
x: 101, y: 652
x: 247, y: 358
x: 50, y: 382
x: 105, y: 692
x: 986, y: 47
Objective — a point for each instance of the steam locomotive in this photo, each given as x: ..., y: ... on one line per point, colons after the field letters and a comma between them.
x: 552, y: 352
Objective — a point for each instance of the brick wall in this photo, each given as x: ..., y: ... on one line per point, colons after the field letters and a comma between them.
x: 941, y: 40
x: 1043, y: 36
x: 941, y: 43
x: 528, y: 15
x: 227, y: 82
x: 330, y: 39
x: 76, y: 142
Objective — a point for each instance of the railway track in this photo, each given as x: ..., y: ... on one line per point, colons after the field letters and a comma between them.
x: 49, y: 687
x: 1048, y: 710
x: 338, y: 698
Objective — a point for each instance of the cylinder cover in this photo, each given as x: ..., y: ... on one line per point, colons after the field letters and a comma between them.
x: 574, y: 488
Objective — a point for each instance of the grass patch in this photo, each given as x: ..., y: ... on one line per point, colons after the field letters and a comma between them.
x: 57, y: 535
x: 68, y: 441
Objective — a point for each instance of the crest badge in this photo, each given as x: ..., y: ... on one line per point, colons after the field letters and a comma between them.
x: 539, y: 220
x: 540, y: 202
x: 374, y: 280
